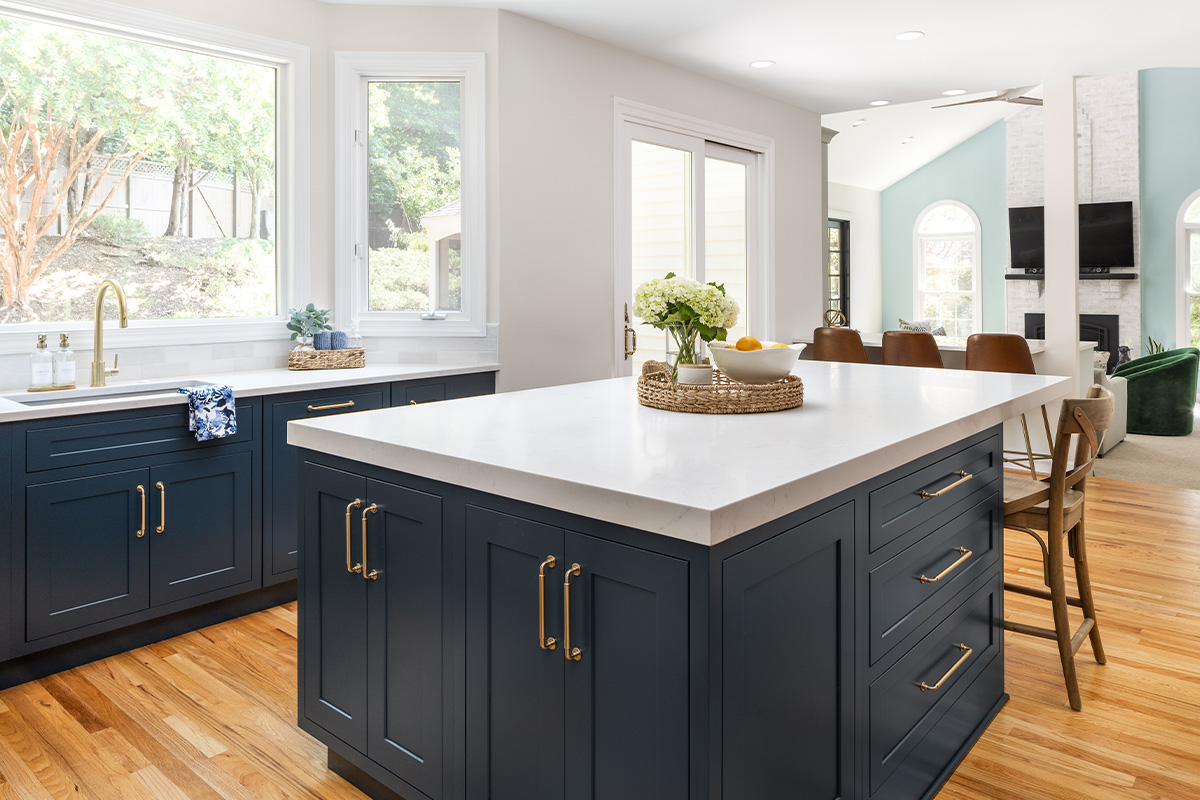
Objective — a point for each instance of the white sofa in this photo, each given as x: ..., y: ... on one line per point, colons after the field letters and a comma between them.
x: 1116, y: 429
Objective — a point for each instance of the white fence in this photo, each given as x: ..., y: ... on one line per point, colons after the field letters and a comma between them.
x: 218, y: 207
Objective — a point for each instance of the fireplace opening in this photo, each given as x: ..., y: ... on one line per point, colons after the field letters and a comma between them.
x: 1103, y: 329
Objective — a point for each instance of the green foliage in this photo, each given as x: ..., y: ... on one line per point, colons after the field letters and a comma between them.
x: 399, y: 279
x: 1154, y: 346
x: 119, y: 231
x: 308, y: 320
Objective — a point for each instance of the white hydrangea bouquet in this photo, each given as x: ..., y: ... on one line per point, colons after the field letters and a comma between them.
x: 687, y: 309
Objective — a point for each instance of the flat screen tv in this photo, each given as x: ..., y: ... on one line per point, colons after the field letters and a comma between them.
x: 1105, y: 235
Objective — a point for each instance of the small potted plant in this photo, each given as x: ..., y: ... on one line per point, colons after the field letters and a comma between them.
x: 688, y: 310
x: 307, y: 321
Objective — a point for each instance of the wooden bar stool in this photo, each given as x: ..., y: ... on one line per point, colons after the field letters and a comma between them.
x: 838, y: 344
x: 1056, y: 505
x: 911, y: 349
x: 1007, y: 352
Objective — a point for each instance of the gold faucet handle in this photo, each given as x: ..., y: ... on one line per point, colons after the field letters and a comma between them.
x: 113, y: 369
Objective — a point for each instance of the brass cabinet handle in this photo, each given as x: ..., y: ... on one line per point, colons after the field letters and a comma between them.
x: 357, y: 567
x: 373, y: 574
x: 331, y: 406
x: 162, y: 507
x: 630, y: 349
x: 925, y: 687
x: 964, y: 555
x: 412, y: 402
x: 963, y: 477
x: 547, y: 644
x: 571, y: 653
x: 141, y: 490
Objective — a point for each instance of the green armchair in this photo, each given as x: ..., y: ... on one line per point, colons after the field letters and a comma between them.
x: 1162, y: 391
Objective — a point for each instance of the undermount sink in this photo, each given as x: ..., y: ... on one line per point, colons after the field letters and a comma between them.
x: 118, y: 390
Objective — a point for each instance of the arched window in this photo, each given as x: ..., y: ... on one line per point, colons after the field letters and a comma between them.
x: 946, y: 268
x: 1189, y: 272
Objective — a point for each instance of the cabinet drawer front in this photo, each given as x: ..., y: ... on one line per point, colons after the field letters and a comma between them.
x: 899, y: 505
x: 900, y: 599
x: 158, y: 430
x: 901, y: 711
x: 425, y: 394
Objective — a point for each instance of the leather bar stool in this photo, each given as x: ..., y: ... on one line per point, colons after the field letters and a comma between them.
x: 911, y: 349
x: 1056, y: 506
x: 1008, y: 352
x: 838, y: 344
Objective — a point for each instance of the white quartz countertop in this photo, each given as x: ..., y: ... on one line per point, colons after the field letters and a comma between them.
x: 244, y: 384
x: 592, y: 450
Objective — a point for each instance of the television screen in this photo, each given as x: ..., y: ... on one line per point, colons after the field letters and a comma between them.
x: 1026, y: 237
x: 1106, y: 234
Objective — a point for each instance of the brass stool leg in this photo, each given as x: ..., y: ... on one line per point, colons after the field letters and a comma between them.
x: 1083, y: 578
x: 1049, y: 435
x: 1062, y: 624
x: 1028, y: 446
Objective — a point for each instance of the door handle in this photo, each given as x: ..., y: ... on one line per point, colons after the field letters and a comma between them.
x: 357, y: 567
x: 547, y: 644
x: 373, y: 574
x: 162, y: 508
x: 571, y: 654
x: 141, y: 490
x: 630, y: 348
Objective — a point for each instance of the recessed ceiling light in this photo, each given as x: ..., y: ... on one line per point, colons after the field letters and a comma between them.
x: 954, y: 92
x: 879, y: 102
x: 908, y: 36
x: 858, y: 122
x: 906, y: 141
x: 762, y: 64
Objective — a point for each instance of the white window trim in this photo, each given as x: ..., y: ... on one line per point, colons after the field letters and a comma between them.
x: 760, y: 282
x: 919, y: 263
x: 352, y: 69
x: 1183, y: 272
x: 291, y: 163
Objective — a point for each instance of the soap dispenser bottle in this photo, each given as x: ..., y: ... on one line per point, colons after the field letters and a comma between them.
x: 64, y: 364
x: 41, y: 363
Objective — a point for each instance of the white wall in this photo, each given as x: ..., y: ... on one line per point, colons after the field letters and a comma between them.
x: 862, y: 208
x: 554, y: 228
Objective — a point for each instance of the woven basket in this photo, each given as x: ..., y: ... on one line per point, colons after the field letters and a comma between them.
x: 656, y: 389
x: 352, y: 358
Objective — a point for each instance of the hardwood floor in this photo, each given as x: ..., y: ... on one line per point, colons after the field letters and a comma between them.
x: 211, y: 714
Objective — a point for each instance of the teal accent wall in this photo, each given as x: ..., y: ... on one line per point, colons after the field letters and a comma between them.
x: 973, y: 173
x: 1169, y: 118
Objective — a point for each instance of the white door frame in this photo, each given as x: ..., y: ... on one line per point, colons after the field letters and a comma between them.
x: 628, y: 118
x: 1183, y: 272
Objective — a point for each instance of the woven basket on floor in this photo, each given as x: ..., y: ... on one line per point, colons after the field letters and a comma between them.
x: 351, y: 358
x: 656, y: 389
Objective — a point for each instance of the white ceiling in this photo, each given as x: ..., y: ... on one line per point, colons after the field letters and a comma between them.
x: 836, y: 56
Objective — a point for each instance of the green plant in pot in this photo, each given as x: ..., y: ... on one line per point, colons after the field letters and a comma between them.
x: 307, y: 321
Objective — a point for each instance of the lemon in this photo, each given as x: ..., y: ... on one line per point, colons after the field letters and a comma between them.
x: 748, y: 343
x: 777, y: 345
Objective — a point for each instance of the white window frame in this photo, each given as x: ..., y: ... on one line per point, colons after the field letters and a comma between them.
x: 919, y: 261
x: 1184, y: 272
x: 631, y: 121
x: 352, y: 71
x: 292, y: 246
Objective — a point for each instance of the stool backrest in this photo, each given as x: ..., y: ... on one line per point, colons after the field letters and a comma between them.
x: 911, y: 349
x: 999, y: 352
x: 1086, y: 418
x: 838, y: 344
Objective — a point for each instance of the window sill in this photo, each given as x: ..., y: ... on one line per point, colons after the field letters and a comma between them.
x: 22, y: 338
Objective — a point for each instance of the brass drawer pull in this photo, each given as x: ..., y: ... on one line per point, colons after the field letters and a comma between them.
x: 964, y: 555
x: 141, y: 490
x: 373, y: 574
x: 925, y: 687
x: 357, y: 567
x: 162, y: 507
x: 571, y: 653
x: 963, y: 477
x: 331, y: 406
x: 547, y: 644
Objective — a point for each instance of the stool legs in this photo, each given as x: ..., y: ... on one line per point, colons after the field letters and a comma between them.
x: 1062, y: 624
x: 1083, y: 578
x: 1028, y: 446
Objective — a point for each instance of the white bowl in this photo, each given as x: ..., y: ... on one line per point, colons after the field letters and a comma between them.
x: 755, y: 366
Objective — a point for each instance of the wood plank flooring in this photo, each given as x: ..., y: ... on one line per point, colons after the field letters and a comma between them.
x: 211, y: 714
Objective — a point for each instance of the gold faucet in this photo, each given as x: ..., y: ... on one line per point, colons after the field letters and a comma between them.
x: 99, y: 369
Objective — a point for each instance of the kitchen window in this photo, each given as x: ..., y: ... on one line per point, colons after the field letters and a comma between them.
x: 409, y: 233
x: 1189, y: 273
x: 837, y: 279
x: 946, y: 268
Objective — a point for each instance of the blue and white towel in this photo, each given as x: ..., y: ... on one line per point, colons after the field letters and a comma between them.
x: 211, y: 411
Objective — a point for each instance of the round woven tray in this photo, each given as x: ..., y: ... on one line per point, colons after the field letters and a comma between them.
x: 656, y: 389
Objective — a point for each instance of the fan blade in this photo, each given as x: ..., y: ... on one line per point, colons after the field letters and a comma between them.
x: 1012, y: 94
x: 971, y: 102
x: 1026, y: 101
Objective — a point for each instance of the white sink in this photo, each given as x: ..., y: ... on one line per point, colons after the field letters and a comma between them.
x: 117, y: 390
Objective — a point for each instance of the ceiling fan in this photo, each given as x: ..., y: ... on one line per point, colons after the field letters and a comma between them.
x: 1008, y: 96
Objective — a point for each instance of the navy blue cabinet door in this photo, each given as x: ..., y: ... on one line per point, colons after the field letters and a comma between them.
x: 515, y: 687
x: 626, y: 718
x: 281, y: 506
x: 404, y: 672
x: 202, y: 526
x: 6, y: 527
x: 787, y: 682
x: 333, y: 606
x: 86, y: 551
